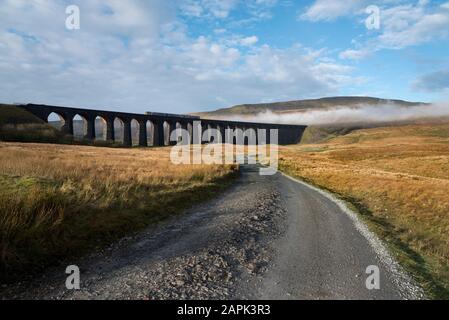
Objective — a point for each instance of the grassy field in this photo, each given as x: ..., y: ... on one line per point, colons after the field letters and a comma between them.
x: 398, y: 179
x: 59, y: 201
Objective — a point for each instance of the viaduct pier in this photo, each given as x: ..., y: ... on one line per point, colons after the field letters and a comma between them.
x: 157, y: 125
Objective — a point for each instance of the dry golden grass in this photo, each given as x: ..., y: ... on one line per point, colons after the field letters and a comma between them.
x: 60, y: 200
x: 100, y: 166
x: 398, y: 177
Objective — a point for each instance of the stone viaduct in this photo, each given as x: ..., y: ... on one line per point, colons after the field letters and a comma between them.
x: 162, y: 125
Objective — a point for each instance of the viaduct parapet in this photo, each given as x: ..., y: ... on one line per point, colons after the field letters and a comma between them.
x: 157, y: 125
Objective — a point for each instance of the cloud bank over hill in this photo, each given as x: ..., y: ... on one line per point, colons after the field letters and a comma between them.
x: 348, y: 115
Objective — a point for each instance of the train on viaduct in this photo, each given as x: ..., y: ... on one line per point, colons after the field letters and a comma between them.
x: 161, y: 124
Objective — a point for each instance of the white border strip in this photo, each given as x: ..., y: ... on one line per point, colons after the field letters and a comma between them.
x: 409, y: 289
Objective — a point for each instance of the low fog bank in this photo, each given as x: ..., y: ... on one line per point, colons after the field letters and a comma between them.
x: 351, y: 115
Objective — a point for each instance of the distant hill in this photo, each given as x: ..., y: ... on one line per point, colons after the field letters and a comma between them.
x: 304, y: 105
x: 323, y: 132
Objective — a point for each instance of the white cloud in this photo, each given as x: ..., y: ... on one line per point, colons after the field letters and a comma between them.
x: 359, y: 114
x: 209, y: 8
x: 402, y: 26
x: 330, y: 10
x: 220, y: 30
x: 253, y: 10
x: 249, y: 41
x: 351, y: 54
x: 192, y: 8
x: 140, y: 57
x: 409, y: 25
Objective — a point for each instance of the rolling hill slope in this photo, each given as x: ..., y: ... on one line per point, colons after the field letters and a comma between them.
x: 305, y: 105
x: 329, y: 117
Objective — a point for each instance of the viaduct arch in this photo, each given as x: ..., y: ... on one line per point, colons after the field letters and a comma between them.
x: 288, y: 134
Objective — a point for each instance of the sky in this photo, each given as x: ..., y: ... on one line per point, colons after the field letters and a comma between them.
x: 184, y: 56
